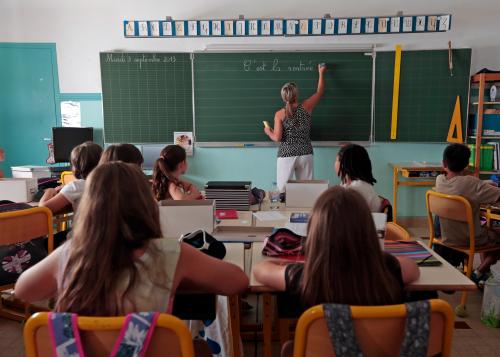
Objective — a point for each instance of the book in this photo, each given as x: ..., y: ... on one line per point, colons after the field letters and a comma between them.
x: 412, y: 250
x: 299, y: 217
x: 226, y: 214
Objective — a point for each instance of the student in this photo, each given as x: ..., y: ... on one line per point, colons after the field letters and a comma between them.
x: 84, y: 158
x: 122, y: 152
x: 116, y: 261
x: 354, y: 168
x: 455, y: 181
x: 292, y: 128
x: 167, y: 172
x: 343, y: 260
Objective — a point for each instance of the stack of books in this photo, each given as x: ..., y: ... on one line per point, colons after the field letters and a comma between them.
x: 229, y: 194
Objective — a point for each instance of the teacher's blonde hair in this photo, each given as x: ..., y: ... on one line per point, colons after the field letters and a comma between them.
x: 289, y: 94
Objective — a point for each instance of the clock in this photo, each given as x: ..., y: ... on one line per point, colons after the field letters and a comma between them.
x: 493, y: 93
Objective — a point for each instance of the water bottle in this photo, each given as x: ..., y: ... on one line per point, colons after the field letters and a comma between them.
x: 274, y: 197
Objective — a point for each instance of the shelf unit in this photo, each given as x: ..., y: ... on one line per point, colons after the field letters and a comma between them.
x: 482, y: 79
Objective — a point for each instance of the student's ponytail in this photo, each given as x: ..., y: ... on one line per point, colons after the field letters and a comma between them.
x: 170, y: 157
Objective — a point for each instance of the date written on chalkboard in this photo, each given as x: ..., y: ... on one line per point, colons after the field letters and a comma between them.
x: 250, y: 65
x: 125, y: 58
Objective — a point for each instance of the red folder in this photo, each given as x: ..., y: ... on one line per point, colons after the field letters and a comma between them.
x: 226, y: 214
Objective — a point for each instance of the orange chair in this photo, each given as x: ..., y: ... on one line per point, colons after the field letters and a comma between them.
x: 67, y: 177
x: 98, y: 334
x: 394, y: 231
x: 21, y: 226
x: 459, y: 209
x: 379, y: 330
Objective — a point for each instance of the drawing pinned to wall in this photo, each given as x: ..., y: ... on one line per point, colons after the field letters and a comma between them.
x: 71, y: 114
x: 184, y: 139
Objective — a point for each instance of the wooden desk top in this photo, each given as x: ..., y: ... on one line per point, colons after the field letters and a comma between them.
x: 235, y: 253
x: 418, y: 166
x: 443, y: 277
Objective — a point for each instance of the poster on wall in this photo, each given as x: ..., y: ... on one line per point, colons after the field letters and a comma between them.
x: 184, y: 139
x: 71, y: 114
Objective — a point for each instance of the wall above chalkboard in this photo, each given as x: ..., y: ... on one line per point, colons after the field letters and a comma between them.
x: 273, y: 27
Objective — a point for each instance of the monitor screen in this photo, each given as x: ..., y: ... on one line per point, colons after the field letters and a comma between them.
x: 65, y: 139
x: 151, y: 153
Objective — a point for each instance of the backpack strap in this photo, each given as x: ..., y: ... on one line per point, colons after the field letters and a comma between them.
x: 341, y: 330
x: 64, y: 335
x: 416, y: 340
x: 135, y: 335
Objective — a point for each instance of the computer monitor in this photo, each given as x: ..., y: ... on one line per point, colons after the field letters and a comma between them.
x: 65, y: 139
x: 151, y: 153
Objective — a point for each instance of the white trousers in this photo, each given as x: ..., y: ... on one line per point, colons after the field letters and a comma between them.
x: 301, y: 166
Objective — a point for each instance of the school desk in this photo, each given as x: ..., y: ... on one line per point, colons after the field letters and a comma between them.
x: 442, y: 277
x: 415, y: 174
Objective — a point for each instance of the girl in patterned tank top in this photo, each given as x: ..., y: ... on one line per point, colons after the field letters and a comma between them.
x: 292, y: 129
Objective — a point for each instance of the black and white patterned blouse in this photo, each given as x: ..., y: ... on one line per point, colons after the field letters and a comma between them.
x: 296, y: 138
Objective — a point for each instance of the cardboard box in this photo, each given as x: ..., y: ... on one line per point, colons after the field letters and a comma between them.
x: 18, y: 189
x: 180, y: 217
x: 304, y: 193
x: 30, y: 171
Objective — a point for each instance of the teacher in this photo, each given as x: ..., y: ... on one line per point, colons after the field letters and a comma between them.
x: 292, y: 129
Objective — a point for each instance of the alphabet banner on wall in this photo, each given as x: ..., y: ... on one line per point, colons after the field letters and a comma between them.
x: 286, y: 27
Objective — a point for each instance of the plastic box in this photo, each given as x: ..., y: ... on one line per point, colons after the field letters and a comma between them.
x: 491, y: 124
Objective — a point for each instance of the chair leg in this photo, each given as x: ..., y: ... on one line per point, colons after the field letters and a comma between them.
x: 461, y: 310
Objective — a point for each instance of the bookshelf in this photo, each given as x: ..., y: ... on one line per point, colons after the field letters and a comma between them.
x: 479, y: 83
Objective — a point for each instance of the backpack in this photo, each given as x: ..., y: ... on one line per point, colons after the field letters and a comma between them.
x: 205, y: 243
x: 16, y: 258
x: 133, y: 340
x: 343, y: 337
x: 283, y: 243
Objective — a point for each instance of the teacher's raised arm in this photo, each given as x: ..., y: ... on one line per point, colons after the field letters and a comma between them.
x: 292, y: 129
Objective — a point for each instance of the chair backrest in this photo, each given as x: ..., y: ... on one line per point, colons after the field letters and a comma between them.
x: 27, y: 224
x: 394, y: 231
x: 171, y: 336
x: 67, y: 177
x: 452, y: 207
x: 379, y: 330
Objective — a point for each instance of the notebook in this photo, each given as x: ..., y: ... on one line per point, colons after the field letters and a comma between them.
x: 412, y: 250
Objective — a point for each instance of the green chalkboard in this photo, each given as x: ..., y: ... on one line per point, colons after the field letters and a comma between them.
x: 146, y: 96
x: 427, y: 94
x: 235, y: 92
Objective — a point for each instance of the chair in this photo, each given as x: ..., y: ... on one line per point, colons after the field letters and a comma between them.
x: 20, y: 226
x: 98, y: 335
x: 379, y: 330
x: 459, y: 209
x: 394, y: 231
x: 67, y: 177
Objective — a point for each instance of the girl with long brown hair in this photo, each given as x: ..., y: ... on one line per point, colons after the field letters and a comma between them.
x: 343, y: 260
x: 167, y: 172
x: 292, y: 129
x: 116, y: 261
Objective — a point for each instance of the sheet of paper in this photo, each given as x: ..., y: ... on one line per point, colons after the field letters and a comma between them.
x: 297, y: 228
x: 269, y: 216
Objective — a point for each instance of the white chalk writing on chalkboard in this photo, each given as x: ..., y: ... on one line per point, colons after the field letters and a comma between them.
x: 251, y: 65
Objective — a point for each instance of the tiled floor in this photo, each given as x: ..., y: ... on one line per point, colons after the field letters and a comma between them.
x: 477, y: 341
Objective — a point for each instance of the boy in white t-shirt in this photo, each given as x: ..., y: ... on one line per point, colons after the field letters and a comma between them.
x: 84, y: 158
x: 354, y: 168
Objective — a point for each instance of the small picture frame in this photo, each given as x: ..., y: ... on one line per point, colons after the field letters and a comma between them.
x: 185, y: 140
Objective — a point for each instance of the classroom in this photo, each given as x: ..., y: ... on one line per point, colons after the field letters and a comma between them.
x: 253, y: 130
